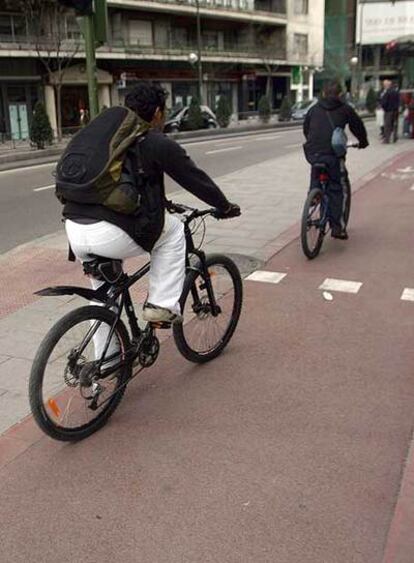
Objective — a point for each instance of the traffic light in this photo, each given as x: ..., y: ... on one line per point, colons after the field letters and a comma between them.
x: 81, y: 7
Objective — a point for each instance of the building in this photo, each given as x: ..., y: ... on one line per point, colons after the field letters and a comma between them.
x: 383, y: 29
x: 248, y: 48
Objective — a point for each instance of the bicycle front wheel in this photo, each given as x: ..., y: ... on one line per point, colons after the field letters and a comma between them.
x: 348, y: 199
x: 70, y: 397
x: 204, y: 335
x: 312, y: 231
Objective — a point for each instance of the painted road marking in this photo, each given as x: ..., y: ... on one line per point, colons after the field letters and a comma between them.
x: 412, y: 188
x: 346, y: 286
x: 266, y: 277
x: 227, y: 149
x: 295, y: 146
x: 27, y: 168
x: 44, y: 188
x: 408, y: 294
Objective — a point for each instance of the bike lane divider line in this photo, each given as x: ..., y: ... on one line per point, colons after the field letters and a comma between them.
x: 43, y: 188
x: 346, y: 286
x: 408, y: 294
x: 266, y: 277
x: 227, y: 149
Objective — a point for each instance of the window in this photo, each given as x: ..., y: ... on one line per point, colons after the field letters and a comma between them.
x: 301, y: 7
x: 300, y: 44
x: 140, y: 33
x: 73, y: 30
x: 12, y: 28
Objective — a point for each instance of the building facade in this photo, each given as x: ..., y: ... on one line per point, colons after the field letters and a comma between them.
x: 249, y: 48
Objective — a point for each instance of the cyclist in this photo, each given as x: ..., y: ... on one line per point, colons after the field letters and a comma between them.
x: 97, y: 230
x: 320, y: 121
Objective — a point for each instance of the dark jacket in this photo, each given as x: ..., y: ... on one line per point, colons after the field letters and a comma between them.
x: 390, y: 100
x: 318, y: 129
x: 159, y: 154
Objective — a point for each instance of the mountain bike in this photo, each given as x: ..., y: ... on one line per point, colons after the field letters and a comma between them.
x: 76, y: 384
x: 316, y: 216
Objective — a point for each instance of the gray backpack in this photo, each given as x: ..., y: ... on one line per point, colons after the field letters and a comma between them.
x: 339, y: 138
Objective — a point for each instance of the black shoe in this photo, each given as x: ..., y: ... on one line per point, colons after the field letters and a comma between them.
x: 339, y: 233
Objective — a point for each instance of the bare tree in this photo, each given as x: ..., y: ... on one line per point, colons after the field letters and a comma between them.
x: 46, y: 22
x: 271, y: 47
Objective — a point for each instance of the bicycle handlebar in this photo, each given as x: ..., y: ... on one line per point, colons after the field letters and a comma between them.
x: 193, y: 213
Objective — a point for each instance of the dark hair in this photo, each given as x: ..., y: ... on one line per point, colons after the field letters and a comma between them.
x: 332, y: 89
x: 145, y: 98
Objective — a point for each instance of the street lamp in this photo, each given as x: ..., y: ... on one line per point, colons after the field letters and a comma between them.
x: 354, y: 62
x: 199, y: 48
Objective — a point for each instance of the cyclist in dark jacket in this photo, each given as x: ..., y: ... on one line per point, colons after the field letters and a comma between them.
x: 320, y: 121
x: 97, y: 230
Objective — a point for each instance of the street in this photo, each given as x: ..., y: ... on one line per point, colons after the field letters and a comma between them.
x: 29, y: 209
x: 289, y: 447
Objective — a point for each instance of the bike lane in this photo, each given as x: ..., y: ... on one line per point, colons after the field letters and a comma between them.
x: 290, y: 447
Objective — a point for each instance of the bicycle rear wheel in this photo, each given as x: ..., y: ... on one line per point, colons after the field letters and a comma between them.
x: 313, y: 229
x: 203, y: 336
x: 70, y: 397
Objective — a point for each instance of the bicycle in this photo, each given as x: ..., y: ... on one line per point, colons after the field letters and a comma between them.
x: 70, y: 377
x: 315, y: 217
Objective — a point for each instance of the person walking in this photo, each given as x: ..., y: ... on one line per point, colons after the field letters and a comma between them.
x: 390, y: 102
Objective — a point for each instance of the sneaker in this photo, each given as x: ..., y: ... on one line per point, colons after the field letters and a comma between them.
x: 339, y: 233
x: 154, y: 314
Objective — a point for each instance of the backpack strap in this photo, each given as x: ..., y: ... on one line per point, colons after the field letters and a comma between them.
x: 138, y: 160
x: 328, y: 115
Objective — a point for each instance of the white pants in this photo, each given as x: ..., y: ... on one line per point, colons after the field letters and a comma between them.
x: 166, y: 278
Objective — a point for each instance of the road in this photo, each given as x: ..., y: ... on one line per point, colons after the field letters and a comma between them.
x: 28, y: 208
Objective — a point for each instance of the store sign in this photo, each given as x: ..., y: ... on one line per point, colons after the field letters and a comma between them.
x: 381, y: 22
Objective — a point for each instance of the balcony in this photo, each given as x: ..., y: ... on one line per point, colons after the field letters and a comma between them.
x: 258, y: 11
x: 235, y: 52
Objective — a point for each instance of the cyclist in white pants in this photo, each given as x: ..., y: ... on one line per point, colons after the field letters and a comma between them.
x: 97, y: 230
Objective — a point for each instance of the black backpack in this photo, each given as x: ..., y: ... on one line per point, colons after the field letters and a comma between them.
x: 94, y: 168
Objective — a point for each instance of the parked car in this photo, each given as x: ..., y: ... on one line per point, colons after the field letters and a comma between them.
x: 300, y: 109
x: 178, y: 120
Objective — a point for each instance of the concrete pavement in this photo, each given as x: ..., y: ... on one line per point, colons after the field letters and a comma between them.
x: 290, y: 447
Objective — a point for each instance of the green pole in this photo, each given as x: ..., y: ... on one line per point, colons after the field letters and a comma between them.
x: 89, y: 34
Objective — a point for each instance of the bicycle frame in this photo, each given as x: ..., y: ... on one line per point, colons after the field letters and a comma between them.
x: 117, y: 296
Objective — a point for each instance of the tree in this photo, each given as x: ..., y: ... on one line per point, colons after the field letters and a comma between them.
x: 46, y: 25
x: 223, y: 111
x: 195, y: 116
x: 371, y: 101
x: 265, y: 109
x: 285, y: 111
x: 41, y: 130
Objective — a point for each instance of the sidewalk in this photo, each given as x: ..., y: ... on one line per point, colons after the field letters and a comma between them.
x: 289, y: 448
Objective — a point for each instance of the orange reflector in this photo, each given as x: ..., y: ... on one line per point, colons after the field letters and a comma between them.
x: 53, y: 406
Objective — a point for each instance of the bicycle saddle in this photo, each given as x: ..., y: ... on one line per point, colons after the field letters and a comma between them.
x: 102, y: 268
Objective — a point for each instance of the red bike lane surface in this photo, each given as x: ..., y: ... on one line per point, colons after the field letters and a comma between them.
x: 288, y: 448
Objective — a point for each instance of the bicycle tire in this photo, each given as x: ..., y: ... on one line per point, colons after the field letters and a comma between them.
x: 179, y: 329
x: 309, y: 250
x: 40, y: 363
x: 348, y: 195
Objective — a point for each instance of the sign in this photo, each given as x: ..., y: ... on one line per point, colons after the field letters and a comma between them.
x: 379, y: 23
x: 296, y: 75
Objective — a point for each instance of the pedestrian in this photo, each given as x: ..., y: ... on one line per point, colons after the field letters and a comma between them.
x: 406, y: 121
x: 390, y: 102
x: 379, y: 118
